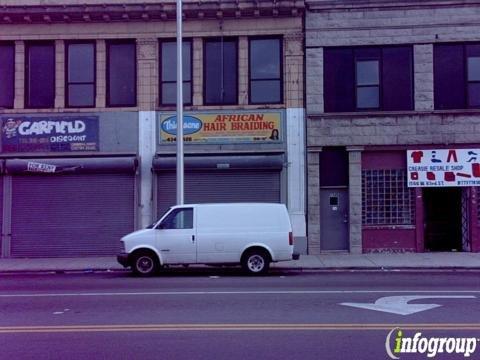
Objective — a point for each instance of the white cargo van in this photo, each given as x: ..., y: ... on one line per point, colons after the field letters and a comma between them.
x: 250, y: 234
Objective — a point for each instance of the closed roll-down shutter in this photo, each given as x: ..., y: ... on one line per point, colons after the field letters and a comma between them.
x: 214, y: 186
x: 1, y: 212
x: 71, y: 215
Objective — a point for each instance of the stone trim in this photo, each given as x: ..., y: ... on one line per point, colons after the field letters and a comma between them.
x: 88, y: 11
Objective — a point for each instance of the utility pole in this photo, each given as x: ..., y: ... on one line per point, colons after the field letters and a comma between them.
x: 180, y: 164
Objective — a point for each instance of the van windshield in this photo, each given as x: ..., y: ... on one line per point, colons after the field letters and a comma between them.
x: 152, y: 226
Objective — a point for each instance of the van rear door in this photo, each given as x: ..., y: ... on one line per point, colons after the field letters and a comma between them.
x: 175, y: 237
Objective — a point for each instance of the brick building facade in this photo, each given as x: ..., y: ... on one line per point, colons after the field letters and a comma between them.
x: 88, y: 116
x: 391, y: 85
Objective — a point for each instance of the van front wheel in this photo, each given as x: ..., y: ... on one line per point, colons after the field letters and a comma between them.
x: 145, y: 264
x: 256, y: 262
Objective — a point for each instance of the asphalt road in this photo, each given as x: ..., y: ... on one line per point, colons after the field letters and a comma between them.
x: 224, y: 315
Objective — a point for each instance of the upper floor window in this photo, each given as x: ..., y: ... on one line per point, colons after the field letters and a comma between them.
x: 121, y: 73
x: 368, y: 78
x: 7, y: 74
x: 220, y: 70
x: 40, y: 75
x: 265, y: 71
x: 80, y: 77
x: 457, y: 76
x: 168, y: 72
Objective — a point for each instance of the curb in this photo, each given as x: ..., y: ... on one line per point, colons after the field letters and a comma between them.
x: 298, y: 269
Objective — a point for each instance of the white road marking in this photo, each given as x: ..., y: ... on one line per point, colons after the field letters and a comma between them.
x: 399, y: 304
x: 273, y: 292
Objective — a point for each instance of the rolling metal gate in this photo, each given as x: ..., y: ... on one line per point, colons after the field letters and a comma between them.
x: 244, y: 179
x: 81, y: 209
x: 1, y: 206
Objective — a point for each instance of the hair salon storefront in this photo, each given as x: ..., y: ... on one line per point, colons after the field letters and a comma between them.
x: 230, y: 156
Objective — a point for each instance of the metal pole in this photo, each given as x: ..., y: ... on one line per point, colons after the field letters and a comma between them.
x: 180, y: 167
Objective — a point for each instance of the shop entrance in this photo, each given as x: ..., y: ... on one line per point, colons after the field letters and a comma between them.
x: 443, y: 219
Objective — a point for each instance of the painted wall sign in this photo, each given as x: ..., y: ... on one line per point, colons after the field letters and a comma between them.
x: 46, y: 134
x: 224, y: 127
x: 443, y: 167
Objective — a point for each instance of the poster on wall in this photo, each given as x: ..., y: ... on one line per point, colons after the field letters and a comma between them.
x: 47, y: 134
x: 224, y: 127
x: 443, y: 167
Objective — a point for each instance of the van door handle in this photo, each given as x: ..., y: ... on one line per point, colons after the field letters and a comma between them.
x: 193, y: 238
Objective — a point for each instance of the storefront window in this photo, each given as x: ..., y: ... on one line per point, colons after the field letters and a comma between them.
x: 386, y: 200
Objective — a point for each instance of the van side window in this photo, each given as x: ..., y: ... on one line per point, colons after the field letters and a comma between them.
x: 178, y: 219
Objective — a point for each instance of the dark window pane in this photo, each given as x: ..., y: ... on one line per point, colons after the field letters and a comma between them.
x: 333, y: 166
x: 81, y: 75
x: 368, y: 97
x: 121, y: 75
x: 265, y: 91
x: 168, y: 72
x: 81, y: 66
x: 473, y: 66
x: 472, y: 50
x: 474, y: 94
x: 368, y: 53
x: 40, y: 75
x: 367, y: 72
x: 169, y: 61
x: 81, y: 95
x: 221, y: 72
x: 7, y: 75
x: 449, y: 77
x: 339, y: 83
x: 169, y: 93
x: 265, y: 59
x: 265, y: 71
x: 397, y: 78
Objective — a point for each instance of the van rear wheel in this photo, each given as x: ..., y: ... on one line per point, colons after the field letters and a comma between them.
x: 145, y: 264
x: 256, y: 262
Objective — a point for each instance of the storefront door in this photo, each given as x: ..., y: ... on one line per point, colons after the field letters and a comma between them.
x: 334, y: 219
x: 443, y: 219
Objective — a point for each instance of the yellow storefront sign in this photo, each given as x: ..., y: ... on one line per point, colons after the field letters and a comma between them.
x: 224, y: 127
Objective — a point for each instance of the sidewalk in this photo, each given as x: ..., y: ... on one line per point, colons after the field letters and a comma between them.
x: 341, y: 261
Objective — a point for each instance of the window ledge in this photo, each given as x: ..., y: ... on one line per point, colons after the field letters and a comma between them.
x: 363, y: 114
x: 388, y: 227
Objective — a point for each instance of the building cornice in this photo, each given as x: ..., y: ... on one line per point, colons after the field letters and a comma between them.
x: 338, y: 5
x: 93, y: 11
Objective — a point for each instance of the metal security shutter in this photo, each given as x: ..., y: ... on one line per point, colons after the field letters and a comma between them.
x: 219, y: 186
x: 71, y: 215
x: 1, y: 211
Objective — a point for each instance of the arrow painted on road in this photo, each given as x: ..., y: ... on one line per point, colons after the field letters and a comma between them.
x: 399, y: 304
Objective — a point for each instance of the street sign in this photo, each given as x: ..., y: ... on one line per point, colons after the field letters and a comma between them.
x: 399, y: 304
